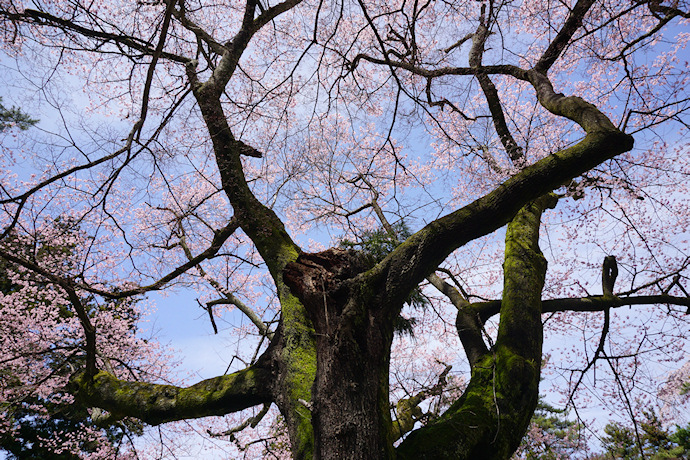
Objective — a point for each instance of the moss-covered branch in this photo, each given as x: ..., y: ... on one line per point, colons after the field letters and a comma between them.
x: 295, y: 364
x: 157, y: 403
x: 419, y: 256
x: 491, y: 417
x: 413, y: 260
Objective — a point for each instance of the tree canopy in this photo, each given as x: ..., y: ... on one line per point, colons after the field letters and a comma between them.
x: 505, y: 181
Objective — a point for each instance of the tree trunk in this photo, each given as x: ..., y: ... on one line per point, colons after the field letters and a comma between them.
x: 350, y: 412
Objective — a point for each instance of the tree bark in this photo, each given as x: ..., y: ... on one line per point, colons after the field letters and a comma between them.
x: 350, y: 412
x: 493, y: 414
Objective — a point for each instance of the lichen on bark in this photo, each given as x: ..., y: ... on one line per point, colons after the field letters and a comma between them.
x: 297, y: 363
x: 489, y: 420
x: 158, y: 403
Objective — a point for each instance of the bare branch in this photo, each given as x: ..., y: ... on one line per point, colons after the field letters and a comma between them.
x: 584, y: 304
x: 572, y: 23
x: 43, y: 18
x: 251, y: 421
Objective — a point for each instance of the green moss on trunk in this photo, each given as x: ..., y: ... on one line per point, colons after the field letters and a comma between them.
x: 297, y: 358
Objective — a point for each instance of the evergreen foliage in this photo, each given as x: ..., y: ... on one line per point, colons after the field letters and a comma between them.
x: 621, y: 442
x: 13, y: 116
x: 377, y: 244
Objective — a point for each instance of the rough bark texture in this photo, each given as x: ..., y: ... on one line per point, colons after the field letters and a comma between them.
x: 328, y: 362
x: 332, y: 348
x: 295, y: 353
x: 490, y: 419
x: 350, y: 409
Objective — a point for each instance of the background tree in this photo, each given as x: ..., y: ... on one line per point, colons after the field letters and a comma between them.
x: 224, y: 142
x: 657, y: 442
x: 14, y: 117
x: 551, y: 435
x: 41, y: 348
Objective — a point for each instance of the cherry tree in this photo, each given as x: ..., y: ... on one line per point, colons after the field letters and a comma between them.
x: 333, y: 171
x: 42, y: 345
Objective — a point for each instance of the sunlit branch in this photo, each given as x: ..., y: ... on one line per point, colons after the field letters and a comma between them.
x: 157, y: 403
x: 459, y: 43
x: 229, y: 297
x: 408, y: 411
x: 43, y: 18
x: 250, y: 422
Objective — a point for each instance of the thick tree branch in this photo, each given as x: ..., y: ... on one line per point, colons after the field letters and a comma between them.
x: 234, y: 48
x: 491, y: 417
x: 152, y: 67
x: 296, y: 363
x: 467, y: 322
x: 156, y: 403
x: 201, y: 34
x: 134, y: 43
x: 493, y: 100
x: 87, y: 326
x: 413, y: 260
x: 259, y: 222
x: 230, y: 299
x: 469, y: 328
x: 503, y: 69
